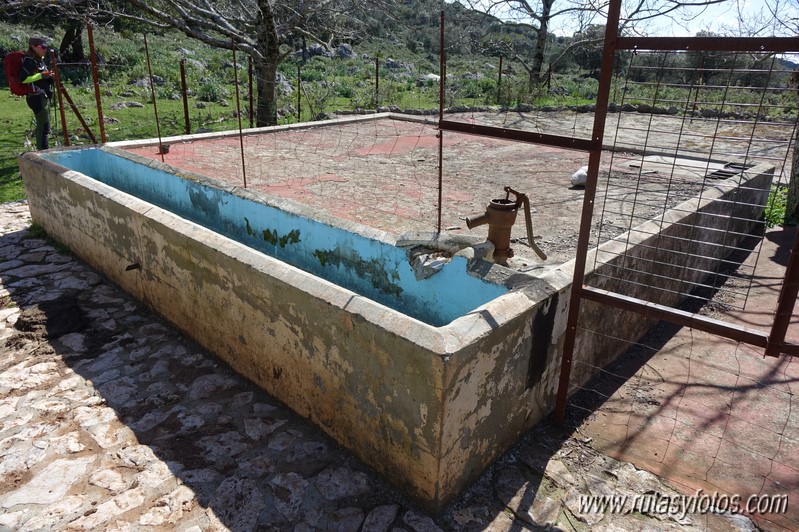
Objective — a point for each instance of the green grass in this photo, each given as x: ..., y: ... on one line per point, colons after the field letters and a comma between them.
x: 15, y: 127
x: 776, y: 206
x: 330, y: 84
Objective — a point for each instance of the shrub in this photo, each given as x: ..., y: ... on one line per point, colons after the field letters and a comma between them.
x: 211, y: 91
x: 776, y: 206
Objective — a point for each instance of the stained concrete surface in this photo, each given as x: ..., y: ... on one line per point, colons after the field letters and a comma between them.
x: 707, y: 413
x: 111, y: 420
x: 384, y: 172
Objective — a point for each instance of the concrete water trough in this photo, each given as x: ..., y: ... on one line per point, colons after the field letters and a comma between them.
x: 425, y: 374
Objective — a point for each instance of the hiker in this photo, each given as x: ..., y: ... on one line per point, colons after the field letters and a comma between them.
x: 35, y: 72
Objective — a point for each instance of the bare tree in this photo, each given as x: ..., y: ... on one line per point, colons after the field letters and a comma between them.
x: 261, y: 29
x: 540, y: 15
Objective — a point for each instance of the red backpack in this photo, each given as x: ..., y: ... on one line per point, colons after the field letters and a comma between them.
x: 13, y: 66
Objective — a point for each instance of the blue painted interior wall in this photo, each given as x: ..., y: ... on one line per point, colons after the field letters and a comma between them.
x: 366, y: 266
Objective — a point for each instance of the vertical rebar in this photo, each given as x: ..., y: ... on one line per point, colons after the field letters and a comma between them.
x: 185, y: 93
x: 96, y: 79
x: 152, y: 95
x: 785, y: 302
x: 299, y: 92
x: 377, y: 82
x: 603, y: 95
x: 442, y: 70
x: 57, y: 78
x: 251, y: 112
x: 238, y: 115
x: 499, y: 81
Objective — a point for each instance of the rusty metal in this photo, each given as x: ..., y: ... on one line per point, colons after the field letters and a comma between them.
x: 649, y: 309
x: 500, y: 215
x: 442, y: 70
x: 185, y: 94
x: 499, y: 81
x: 528, y: 219
x: 161, y: 149
x: 96, y: 78
x: 720, y: 44
x: 519, y: 135
x: 251, y: 110
x: 77, y: 114
x: 442, y: 61
x: 299, y: 92
x: 238, y: 115
x: 602, y: 99
x: 57, y: 79
x: 377, y: 83
x: 785, y: 302
x: 775, y: 341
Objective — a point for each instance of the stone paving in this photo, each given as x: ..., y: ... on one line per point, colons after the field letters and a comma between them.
x: 112, y: 420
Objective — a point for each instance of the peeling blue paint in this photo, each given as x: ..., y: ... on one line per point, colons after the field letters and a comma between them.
x: 369, y: 267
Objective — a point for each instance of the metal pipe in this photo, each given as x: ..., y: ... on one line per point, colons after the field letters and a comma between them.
x: 96, y: 78
x: 603, y: 95
x: 477, y: 221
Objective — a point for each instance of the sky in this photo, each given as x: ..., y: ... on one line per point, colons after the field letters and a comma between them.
x: 719, y: 18
x: 722, y: 18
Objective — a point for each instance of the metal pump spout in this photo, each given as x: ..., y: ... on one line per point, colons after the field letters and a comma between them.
x: 500, y: 216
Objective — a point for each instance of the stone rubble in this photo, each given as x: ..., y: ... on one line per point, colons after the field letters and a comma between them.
x: 112, y: 420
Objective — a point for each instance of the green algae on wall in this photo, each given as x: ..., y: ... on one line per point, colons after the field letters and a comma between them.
x: 375, y: 270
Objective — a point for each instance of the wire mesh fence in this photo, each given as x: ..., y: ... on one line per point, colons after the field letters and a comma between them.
x: 710, y: 416
x: 726, y: 143
x: 693, y: 184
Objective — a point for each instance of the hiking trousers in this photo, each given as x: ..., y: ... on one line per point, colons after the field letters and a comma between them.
x: 39, y: 103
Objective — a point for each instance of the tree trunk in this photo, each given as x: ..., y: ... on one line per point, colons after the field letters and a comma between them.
x: 266, y: 104
x: 541, y: 42
x: 71, y: 49
x: 266, y: 66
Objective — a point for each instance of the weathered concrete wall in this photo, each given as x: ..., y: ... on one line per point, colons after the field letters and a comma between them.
x: 429, y: 407
x: 662, y: 260
x: 384, y: 385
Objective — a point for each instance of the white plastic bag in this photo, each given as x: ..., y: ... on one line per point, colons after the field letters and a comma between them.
x: 580, y: 177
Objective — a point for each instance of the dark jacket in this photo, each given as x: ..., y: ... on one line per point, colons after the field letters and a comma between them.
x: 31, y: 66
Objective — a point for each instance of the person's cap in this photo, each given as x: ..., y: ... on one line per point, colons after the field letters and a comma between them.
x: 37, y: 41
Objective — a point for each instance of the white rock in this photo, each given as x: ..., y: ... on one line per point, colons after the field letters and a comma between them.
x: 109, y: 479
x: 50, y: 484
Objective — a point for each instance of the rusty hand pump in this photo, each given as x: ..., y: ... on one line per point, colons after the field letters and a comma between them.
x: 500, y: 216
